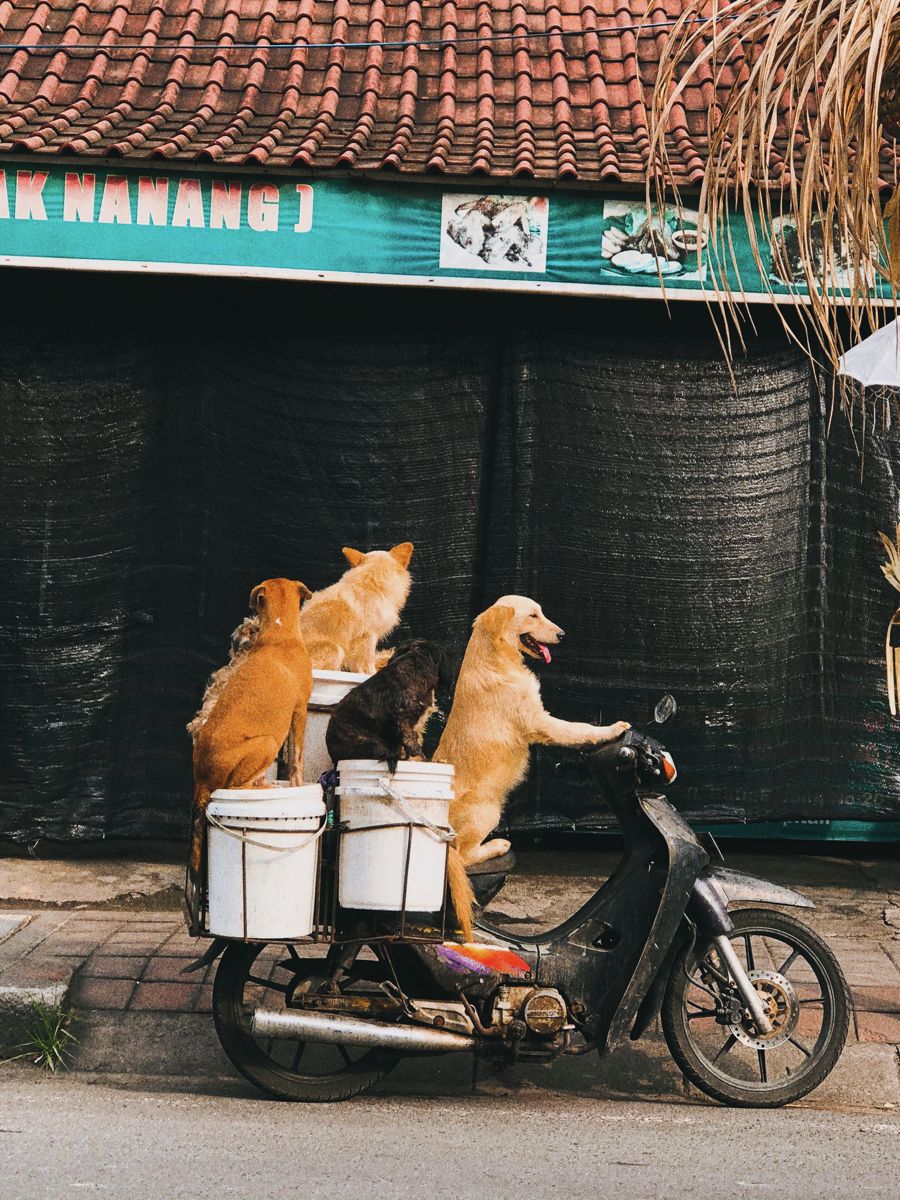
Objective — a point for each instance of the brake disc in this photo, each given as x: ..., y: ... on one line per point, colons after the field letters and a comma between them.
x: 782, y: 1009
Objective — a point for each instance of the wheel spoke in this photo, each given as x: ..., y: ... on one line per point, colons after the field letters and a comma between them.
x: 298, y: 1054
x: 763, y: 1073
x: 268, y: 983
x: 788, y: 962
x: 812, y: 1000
x: 800, y: 1046
x: 344, y: 1055
x: 749, y: 945
x: 724, y: 1049
x: 701, y: 1012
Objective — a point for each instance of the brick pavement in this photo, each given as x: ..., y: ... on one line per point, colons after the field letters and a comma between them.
x: 115, y: 960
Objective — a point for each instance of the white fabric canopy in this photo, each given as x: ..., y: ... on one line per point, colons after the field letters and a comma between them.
x: 876, y: 361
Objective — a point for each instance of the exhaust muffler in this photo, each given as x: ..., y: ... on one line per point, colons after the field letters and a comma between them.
x: 342, y: 1030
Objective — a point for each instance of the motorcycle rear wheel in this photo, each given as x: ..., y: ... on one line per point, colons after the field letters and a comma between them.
x: 808, y: 1000
x: 288, y: 1070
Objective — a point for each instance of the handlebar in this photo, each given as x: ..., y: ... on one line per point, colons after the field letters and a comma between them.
x: 633, y: 751
x: 580, y: 758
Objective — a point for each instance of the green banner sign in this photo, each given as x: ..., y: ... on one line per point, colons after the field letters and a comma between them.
x: 102, y: 217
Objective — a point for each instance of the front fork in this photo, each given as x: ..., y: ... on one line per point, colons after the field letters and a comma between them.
x: 708, y: 908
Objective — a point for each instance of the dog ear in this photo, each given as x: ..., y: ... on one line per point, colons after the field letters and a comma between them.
x: 353, y: 557
x: 304, y: 591
x: 258, y: 598
x: 496, y: 619
x: 402, y: 553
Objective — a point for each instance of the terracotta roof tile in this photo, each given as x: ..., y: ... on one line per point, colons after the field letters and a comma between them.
x: 557, y: 93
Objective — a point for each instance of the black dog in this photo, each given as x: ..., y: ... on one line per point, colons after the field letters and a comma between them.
x: 385, y: 716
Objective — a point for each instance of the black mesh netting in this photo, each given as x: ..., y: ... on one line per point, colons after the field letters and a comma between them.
x: 168, y: 443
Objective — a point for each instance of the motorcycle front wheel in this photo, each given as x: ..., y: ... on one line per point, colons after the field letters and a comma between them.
x: 253, y: 975
x: 712, y: 1037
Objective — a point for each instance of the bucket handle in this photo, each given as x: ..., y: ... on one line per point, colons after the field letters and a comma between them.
x: 249, y: 841
x: 442, y: 835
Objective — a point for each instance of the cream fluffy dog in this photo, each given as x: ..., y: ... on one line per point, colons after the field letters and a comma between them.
x: 497, y: 715
x: 343, y: 624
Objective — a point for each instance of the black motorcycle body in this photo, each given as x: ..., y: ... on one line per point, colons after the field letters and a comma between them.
x: 609, y: 958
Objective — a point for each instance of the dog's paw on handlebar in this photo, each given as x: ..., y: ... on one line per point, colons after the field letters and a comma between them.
x: 609, y: 733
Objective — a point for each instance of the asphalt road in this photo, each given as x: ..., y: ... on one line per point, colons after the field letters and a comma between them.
x: 65, y: 1137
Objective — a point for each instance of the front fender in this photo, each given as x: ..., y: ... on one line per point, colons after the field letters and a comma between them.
x: 737, y: 887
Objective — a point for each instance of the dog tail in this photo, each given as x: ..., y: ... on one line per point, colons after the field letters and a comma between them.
x: 460, y: 892
x: 196, y: 854
x: 198, y: 827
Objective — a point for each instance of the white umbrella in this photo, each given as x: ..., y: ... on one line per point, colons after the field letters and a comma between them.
x: 876, y: 361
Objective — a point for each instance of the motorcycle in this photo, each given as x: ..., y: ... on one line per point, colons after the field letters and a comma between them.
x: 754, y: 1006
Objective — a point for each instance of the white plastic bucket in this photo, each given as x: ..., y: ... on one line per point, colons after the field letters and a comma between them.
x: 263, y: 861
x: 372, y: 866
x: 328, y: 688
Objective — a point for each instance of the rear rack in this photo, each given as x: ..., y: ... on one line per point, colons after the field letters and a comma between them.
x: 333, y: 924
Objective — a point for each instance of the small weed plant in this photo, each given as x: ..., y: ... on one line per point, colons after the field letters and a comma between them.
x: 49, y: 1038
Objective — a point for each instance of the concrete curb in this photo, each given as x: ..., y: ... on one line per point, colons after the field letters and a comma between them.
x: 17, y: 1005
x: 25, y: 983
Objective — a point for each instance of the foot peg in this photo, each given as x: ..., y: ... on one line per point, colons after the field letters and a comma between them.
x: 487, y: 878
x: 502, y: 865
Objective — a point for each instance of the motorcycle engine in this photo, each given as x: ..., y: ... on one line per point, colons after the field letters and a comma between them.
x: 541, y: 1010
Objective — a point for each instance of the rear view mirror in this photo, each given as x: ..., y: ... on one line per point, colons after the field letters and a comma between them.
x: 665, y: 708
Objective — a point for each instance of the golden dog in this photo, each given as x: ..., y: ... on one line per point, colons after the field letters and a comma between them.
x: 256, y: 709
x: 497, y: 715
x: 343, y: 624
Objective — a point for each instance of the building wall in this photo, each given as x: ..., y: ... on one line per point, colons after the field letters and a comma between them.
x: 170, y: 442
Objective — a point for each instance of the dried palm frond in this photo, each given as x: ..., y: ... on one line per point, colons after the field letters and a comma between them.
x: 801, y: 94
x: 891, y: 569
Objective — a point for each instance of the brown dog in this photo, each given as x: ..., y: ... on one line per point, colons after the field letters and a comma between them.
x: 257, y: 708
x: 496, y: 716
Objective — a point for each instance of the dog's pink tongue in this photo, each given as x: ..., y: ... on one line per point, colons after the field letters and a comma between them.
x: 545, y: 651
